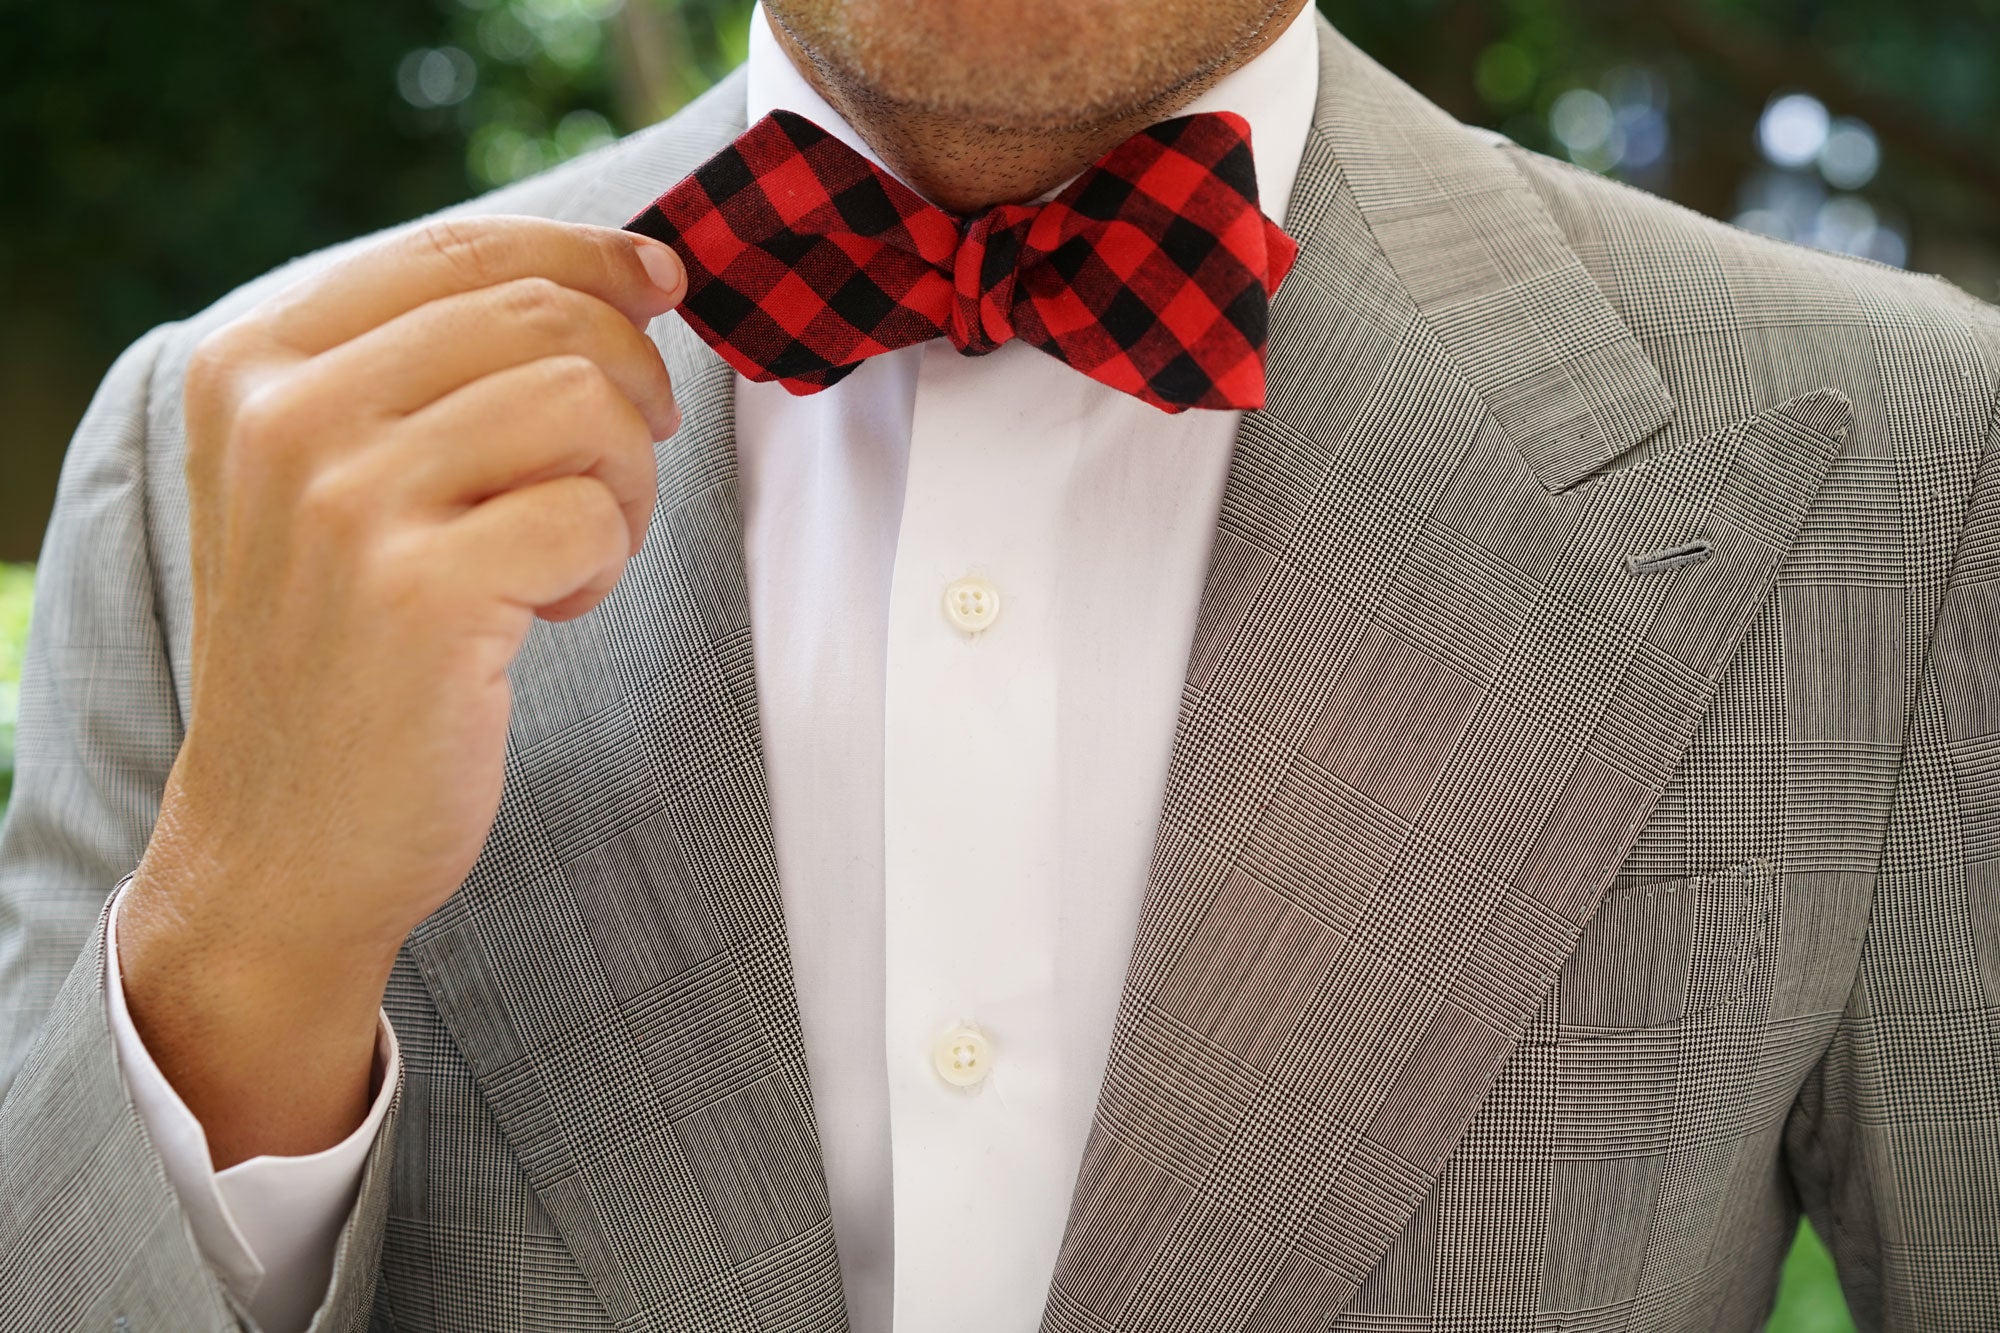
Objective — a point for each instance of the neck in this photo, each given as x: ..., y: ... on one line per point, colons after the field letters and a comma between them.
x: 965, y: 166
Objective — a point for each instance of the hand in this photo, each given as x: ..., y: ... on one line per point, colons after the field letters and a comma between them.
x: 394, y: 467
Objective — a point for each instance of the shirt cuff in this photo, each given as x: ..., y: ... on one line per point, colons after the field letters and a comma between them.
x: 267, y: 1226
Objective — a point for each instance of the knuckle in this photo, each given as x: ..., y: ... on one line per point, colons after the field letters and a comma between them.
x: 215, y: 364
x: 543, y: 305
x: 209, y: 364
x: 262, y: 422
x: 579, y: 380
x: 595, y: 519
x: 607, y: 516
x: 470, y: 251
x: 333, y: 500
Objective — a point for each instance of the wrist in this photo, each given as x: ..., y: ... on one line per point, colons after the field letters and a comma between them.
x: 270, y: 1041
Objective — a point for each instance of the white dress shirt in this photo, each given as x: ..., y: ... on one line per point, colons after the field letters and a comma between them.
x: 973, y: 585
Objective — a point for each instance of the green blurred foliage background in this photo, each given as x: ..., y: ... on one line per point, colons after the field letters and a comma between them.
x: 162, y: 153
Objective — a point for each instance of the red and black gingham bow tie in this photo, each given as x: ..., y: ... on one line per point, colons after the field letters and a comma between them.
x: 1151, y: 272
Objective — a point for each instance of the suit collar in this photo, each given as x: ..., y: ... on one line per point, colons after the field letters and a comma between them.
x: 1427, y: 711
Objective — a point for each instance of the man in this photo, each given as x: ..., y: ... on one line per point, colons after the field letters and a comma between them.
x: 1476, y: 831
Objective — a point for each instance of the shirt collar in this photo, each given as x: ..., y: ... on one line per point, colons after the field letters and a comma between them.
x: 1275, y: 91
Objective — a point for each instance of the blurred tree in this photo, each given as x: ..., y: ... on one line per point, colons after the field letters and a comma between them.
x: 1881, y: 110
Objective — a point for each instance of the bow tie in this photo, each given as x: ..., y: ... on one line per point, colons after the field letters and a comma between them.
x: 1150, y: 272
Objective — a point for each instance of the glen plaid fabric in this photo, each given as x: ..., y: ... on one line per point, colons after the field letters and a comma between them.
x: 1151, y: 272
x: 1533, y: 930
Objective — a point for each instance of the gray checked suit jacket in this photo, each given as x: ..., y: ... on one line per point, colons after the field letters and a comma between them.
x: 1581, y: 851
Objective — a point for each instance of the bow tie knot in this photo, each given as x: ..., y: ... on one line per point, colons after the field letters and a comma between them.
x: 984, y: 271
x: 1150, y: 272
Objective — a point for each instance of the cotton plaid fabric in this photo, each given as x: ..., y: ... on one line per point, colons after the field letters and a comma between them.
x: 1151, y: 272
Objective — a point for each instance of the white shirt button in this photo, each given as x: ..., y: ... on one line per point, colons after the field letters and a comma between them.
x: 962, y: 1056
x: 971, y: 603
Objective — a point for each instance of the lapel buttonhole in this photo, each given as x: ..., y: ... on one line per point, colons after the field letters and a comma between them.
x: 1671, y: 557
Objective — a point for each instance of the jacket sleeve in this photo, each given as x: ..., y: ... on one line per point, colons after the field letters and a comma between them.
x: 1894, y: 1143
x: 92, y: 1234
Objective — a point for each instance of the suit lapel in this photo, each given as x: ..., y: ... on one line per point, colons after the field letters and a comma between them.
x: 1435, y: 691
x: 615, y: 969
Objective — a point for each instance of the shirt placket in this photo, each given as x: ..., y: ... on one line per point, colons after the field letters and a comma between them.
x: 970, y: 856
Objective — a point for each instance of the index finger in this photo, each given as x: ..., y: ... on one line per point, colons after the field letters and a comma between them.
x: 446, y: 256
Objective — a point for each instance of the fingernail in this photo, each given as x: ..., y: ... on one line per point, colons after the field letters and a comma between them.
x: 663, y: 266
